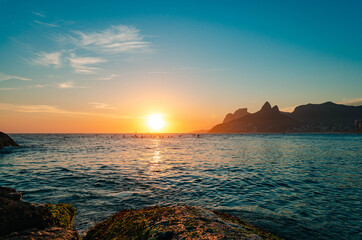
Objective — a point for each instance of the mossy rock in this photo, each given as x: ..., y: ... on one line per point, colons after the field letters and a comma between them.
x: 54, y: 233
x: 176, y: 222
x: 16, y: 215
x: 62, y: 215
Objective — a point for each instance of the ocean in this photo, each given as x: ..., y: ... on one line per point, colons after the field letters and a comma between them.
x: 298, y: 186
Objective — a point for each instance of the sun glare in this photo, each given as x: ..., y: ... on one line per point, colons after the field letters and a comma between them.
x: 155, y: 122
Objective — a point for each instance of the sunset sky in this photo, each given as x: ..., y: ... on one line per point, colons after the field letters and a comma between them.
x: 105, y: 66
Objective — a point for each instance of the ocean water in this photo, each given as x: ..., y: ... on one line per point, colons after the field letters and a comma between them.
x: 298, y: 186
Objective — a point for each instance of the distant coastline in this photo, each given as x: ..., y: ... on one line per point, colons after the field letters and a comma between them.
x: 186, y: 133
x: 327, y: 117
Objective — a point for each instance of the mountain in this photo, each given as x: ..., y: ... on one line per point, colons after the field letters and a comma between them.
x: 324, y: 117
x: 268, y: 119
x: 327, y: 113
x: 241, y: 112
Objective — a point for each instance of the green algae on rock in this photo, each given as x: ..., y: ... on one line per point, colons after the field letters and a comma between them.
x: 175, y: 222
x: 17, y: 215
x: 62, y: 214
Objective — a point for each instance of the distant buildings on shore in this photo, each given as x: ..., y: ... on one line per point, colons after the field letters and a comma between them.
x: 333, y: 127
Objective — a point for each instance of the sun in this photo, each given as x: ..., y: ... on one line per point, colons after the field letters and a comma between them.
x: 155, y: 122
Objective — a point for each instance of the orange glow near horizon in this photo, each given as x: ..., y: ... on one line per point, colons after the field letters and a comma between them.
x: 155, y: 122
x: 176, y: 117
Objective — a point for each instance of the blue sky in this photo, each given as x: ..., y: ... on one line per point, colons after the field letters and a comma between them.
x: 125, y: 59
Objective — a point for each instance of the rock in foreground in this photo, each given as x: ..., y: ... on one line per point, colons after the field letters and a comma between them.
x: 18, y: 218
x: 177, y: 222
x: 5, y: 141
x: 54, y: 233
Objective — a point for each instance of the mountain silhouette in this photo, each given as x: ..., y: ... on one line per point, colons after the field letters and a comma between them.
x: 268, y: 119
x: 323, y: 117
x: 241, y: 112
x: 327, y: 113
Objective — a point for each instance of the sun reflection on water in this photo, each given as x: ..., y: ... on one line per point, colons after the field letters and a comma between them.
x: 156, y: 157
x: 156, y: 160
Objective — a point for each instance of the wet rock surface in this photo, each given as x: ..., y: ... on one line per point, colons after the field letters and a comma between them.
x: 23, y: 220
x: 176, y: 222
x: 56, y: 233
x: 5, y: 141
x: 18, y: 216
x: 10, y: 193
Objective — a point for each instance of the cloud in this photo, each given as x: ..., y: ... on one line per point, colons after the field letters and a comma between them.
x: 61, y: 85
x: 68, y: 84
x: 50, y: 109
x: 110, y: 77
x: 353, y: 102
x: 7, y: 89
x: 31, y: 108
x: 113, y: 40
x: 46, y: 24
x: 187, y: 70
x: 49, y: 59
x: 39, y: 14
x: 116, y: 39
x: 4, y: 77
x: 40, y: 86
x: 81, y: 64
x: 99, y: 105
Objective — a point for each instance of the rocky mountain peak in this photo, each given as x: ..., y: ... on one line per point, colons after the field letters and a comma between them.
x: 266, y: 107
x: 241, y: 112
x: 275, y: 109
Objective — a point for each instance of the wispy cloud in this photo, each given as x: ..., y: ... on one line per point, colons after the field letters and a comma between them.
x: 45, y: 24
x: 100, y: 105
x: 50, y: 109
x: 81, y: 64
x: 39, y: 14
x: 110, y: 77
x: 49, y: 59
x: 61, y: 85
x: 4, y: 77
x: 68, y: 84
x: 40, y: 86
x: 78, y: 47
x: 187, y: 70
x: 31, y: 108
x: 353, y: 102
x: 7, y: 89
x: 116, y: 39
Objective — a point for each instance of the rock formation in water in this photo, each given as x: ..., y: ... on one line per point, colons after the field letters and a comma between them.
x: 5, y: 141
x: 176, y: 222
x: 268, y: 119
x: 53, y: 233
x: 23, y: 220
x: 241, y: 112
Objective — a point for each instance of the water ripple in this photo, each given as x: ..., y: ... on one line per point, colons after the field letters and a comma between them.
x: 298, y: 186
